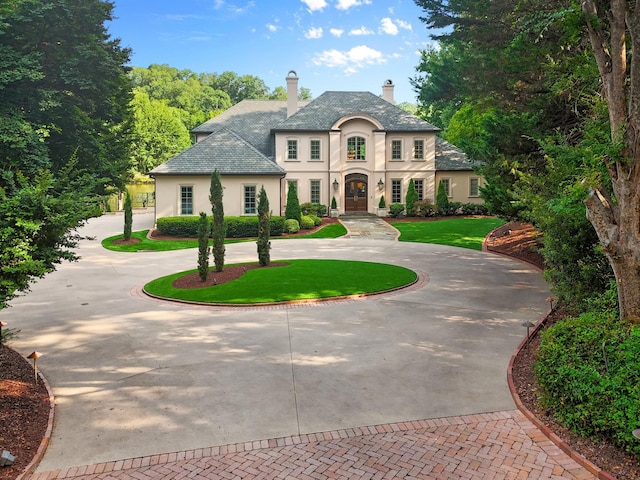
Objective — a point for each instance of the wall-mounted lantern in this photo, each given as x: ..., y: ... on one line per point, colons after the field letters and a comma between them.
x: 335, y: 184
x: 380, y: 184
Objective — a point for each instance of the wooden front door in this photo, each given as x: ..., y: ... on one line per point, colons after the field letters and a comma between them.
x: 356, y: 193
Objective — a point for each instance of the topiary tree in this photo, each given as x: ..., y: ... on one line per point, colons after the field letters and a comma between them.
x: 264, y: 224
x: 218, y: 229
x: 442, y: 199
x: 410, y: 199
x: 203, y: 246
x: 382, y: 203
x: 334, y: 204
x: 128, y: 216
x: 293, y: 209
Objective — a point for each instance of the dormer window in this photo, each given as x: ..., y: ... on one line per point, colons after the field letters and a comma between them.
x: 356, y: 148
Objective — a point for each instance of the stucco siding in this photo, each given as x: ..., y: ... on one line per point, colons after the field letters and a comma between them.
x: 169, y: 188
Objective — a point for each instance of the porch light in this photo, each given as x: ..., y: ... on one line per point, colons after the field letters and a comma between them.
x: 380, y: 184
x: 335, y: 184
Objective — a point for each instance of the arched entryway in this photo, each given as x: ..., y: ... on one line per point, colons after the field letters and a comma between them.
x: 356, y: 192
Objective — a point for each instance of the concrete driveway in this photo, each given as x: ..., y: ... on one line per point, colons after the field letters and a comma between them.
x: 134, y: 377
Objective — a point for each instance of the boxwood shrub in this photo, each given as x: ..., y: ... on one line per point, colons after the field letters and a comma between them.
x: 237, y: 227
x: 306, y: 222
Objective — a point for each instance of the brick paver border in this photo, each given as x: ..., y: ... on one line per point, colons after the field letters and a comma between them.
x: 482, y: 446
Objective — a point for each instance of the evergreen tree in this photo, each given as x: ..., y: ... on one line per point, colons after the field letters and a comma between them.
x: 293, y: 210
x: 203, y: 246
x: 442, y: 200
x: 128, y: 215
x: 410, y: 199
x: 264, y: 224
x: 218, y: 231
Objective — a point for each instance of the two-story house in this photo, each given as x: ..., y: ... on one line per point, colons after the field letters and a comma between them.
x: 351, y: 146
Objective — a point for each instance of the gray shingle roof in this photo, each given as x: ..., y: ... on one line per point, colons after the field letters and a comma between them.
x: 322, y: 113
x: 251, y: 120
x: 222, y: 150
x: 450, y: 157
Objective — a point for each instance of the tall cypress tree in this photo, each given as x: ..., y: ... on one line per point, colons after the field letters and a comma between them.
x: 218, y: 231
x: 203, y: 246
x: 128, y: 216
x: 264, y: 245
x: 410, y: 199
x: 293, y: 210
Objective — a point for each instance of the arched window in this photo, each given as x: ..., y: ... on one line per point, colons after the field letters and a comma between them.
x: 356, y: 148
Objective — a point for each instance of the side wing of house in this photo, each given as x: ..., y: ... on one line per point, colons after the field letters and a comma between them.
x: 183, y: 182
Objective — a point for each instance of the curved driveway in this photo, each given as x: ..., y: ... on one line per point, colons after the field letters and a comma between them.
x: 135, y: 377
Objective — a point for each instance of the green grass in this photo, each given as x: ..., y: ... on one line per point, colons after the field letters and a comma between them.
x: 456, y: 232
x: 298, y: 280
x: 332, y: 230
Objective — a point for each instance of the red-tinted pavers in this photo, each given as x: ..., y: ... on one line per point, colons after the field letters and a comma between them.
x: 501, y: 445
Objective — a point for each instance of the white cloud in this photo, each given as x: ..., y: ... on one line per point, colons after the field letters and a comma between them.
x: 336, y: 32
x: 313, y: 33
x: 347, y: 4
x: 272, y: 28
x: 387, y: 26
x: 314, y: 5
x: 354, y: 59
x: 361, y: 31
x: 218, y: 4
x: 403, y: 24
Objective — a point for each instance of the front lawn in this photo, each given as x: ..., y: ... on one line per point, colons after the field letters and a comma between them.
x: 456, y: 232
x: 297, y: 280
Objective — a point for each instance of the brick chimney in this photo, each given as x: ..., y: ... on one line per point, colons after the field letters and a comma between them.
x: 292, y: 93
x: 387, y: 91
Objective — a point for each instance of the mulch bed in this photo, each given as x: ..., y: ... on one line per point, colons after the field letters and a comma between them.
x: 24, y: 407
x: 24, y: 411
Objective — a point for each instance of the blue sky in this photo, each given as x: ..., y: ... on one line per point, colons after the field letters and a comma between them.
x: 331, y: 44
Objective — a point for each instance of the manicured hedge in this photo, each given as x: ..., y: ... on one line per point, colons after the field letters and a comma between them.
x: 237, y: 227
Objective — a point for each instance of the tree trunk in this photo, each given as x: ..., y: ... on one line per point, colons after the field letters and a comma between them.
x: 616, y: 216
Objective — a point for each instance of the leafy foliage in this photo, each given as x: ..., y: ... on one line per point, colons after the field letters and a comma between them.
x: 64, y: 139
x: 589, y: 370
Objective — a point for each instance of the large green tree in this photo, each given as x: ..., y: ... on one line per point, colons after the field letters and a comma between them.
x: 158, y: 132
x: 218, y: 227
x: 64, y: 112
x: 518, y: 89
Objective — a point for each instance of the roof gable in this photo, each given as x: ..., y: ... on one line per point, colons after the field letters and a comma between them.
x: 224, y: 151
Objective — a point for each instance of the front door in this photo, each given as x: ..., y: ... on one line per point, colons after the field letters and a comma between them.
x: 356, y: 193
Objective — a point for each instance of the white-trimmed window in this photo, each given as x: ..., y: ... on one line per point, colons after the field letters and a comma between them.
x: 474, y: 187
x: 356, y: 148
x: 314, y: 150
x: 396, y: 190
x: 314, y: 188
x: 447, y: 185
x: 186, y: 199
x: 418, y: 149
x: 396, y: 149
x: 418, y: 183
x: 249, y: 199
x: 292, y: 149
